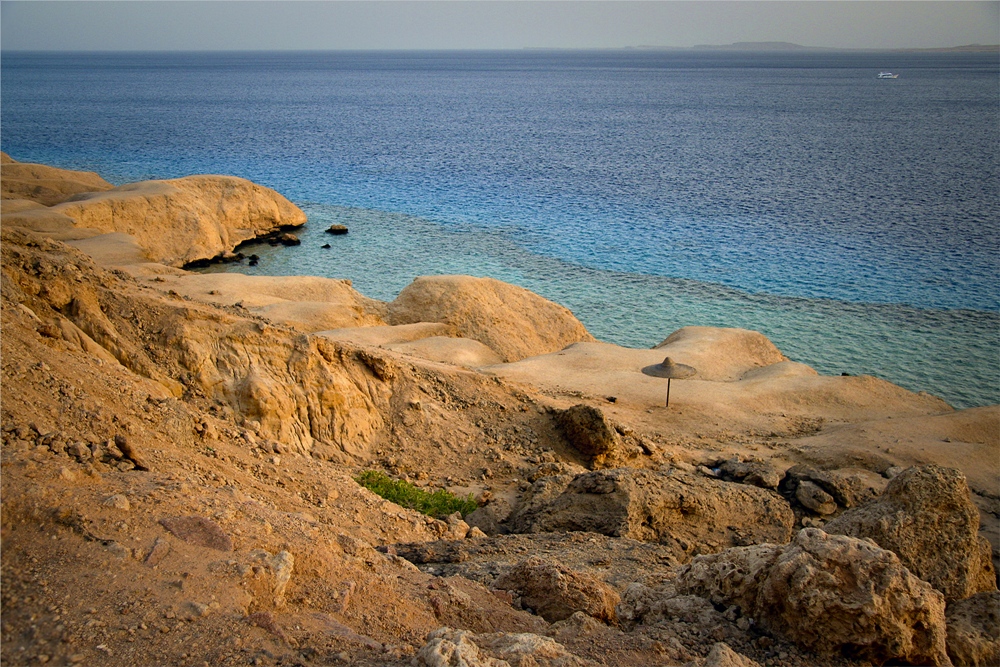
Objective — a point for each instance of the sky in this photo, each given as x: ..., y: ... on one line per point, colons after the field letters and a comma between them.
x: 81, y: 25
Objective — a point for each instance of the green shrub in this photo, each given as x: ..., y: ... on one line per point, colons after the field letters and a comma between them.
x: 439, y: 504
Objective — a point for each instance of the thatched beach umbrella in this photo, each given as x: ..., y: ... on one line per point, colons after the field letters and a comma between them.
x: 670, y: 370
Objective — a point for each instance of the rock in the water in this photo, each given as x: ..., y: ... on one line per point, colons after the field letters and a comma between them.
x: 289, y: 239
x: 198, y: 530
x: 589, y: 433
x: 689, y: 512
x: 974, y: 630
x: 830, y: 594
x: 927, y: 518
x: 337, y: 230
x: 555, y: 592
x: 512, y: 321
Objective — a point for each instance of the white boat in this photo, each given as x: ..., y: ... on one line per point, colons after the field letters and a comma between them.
x: 887, y: 75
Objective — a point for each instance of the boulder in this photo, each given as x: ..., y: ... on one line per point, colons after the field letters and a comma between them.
x: 723, y: 656
x: 590, y: 433
x: 974, y: 630
x: 187, y: 219
x: 446, y: 647
x: 453, y: 648
x: 555, y: 592
x: 847, y: 487
x: 691, y: 513
x: 927, y: 518
x: 525, y: 649
x: 758, y: 473
x: 513, y: 321
x: 814, y: 498
x: 43, y: 184
x: 830, y: 594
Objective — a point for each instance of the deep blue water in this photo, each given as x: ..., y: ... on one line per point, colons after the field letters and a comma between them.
x: 852, y: 220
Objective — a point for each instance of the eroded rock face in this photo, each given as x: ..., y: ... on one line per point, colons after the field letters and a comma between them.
x: 511, y: 320
x: 974, y: 630
x: 185, y: 219
x: 589, y: 433
x: 300, y: 389
x: 43, y: 184
x: 556, y: 592
x: 685, y: 511
x: 831, y: 594
x: 927, y: 518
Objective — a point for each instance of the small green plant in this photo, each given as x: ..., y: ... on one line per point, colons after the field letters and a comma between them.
x: 438, y: 504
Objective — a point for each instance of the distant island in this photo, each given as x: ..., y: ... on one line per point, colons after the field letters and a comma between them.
x: 791, y: 46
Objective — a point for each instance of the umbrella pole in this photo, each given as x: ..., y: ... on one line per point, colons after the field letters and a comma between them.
x: 668, y: 393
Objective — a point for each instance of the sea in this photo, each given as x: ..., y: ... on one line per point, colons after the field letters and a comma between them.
x: 853, y: 220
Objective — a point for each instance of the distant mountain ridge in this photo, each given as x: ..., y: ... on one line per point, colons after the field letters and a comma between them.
x: 757, y: 46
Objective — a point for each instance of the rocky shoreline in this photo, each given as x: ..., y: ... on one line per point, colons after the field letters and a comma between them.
x: 179, y: 451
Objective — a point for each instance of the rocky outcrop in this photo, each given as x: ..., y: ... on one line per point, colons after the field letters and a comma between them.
x: 974, y: 630
x: 926, y: 517
x: 186, y: 219
x: 555, y: 592
x: 589, y: 433
x: 690, y: 513
x: 513, y: 321
x: 832, y: 594
x: 43, y: 184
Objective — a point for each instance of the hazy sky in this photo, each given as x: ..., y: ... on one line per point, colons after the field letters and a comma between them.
x: 485, y: 24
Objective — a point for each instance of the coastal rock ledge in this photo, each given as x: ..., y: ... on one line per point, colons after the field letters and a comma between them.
x: 174, y: 222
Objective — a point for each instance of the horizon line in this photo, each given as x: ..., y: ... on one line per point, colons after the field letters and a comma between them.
x: 783, y: 47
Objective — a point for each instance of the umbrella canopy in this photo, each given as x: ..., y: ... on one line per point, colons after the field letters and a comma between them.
x: 669, y: 369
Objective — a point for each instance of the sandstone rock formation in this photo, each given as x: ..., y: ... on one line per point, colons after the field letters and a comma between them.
x: 925, y: 516
x: 689, y: 512
x: 43, y: 184
x: 512, y: 321
x: 721, y: 354
x: 555, y: 592
x: 185, y: 219
x: 830, y: 593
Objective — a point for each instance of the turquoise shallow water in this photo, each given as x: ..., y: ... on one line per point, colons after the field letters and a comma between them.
x: 950, y: 353
x: 852, y: 220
